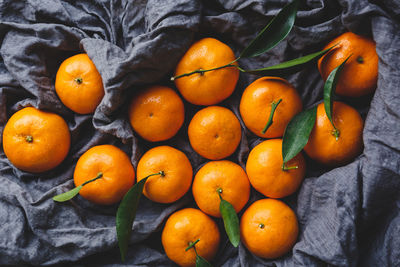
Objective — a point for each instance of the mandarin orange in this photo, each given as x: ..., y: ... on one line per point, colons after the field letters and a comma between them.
x: 115, y: 172
x: 35, y: 140
x: 211, y: 87
x: 220, y: 177
x: 184, y: 227
x: 214, y: 132
x: 360, y: 73
x: 79, y: 85
x: 269, y: 228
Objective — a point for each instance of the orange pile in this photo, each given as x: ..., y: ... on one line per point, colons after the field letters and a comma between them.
x: 37, y: 141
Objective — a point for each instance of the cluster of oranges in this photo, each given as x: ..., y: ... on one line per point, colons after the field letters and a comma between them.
x: 37, y: 141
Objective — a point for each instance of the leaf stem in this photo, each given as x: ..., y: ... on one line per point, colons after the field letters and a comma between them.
x: 336, y: 133
x: 161, y: 173
x: 274, y: 105
x: 201, y: 71
x: 99, y: 175
x: 219, y: 191
x: 158, y: 173
x: 192, y: 245
x: 285, y: 168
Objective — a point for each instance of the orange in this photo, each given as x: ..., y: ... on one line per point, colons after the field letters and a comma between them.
x: 360, y: 73
x: 269, y: 228
x: 177, y: 174
x: 322, y: 145
x: 156, y: 113
x: 264, y: 168
x: 186, y: 226
x: 214, y: 132
x: 225, y: 177
x: 256, y: 104
x: 211, y: 87
x: 36, y: 141
x: 79, y: 85
x: 117, y: 174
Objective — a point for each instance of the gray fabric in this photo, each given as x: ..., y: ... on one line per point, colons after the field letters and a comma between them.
x: 348, y: 216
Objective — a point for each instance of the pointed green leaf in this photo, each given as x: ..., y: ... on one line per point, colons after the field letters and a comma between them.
x: 289, y: 67
x: 68, y: 195
x: 274, y: 32
x: 202, y: 262
x: 231, y: 222
x: 126, y: 215
x: 329, y: 88
x: 297, y: 133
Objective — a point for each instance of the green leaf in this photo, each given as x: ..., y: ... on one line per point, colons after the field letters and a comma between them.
x: 126, y: 215
x: 201, y: 262
x: 329, y: 89
x: 273, y: 33
x: 231, y: 222
x: 289, y: 67
x: 297, y: 133
x: 68, y: 195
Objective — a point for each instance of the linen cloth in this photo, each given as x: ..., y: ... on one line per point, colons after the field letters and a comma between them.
x: 348, y: 216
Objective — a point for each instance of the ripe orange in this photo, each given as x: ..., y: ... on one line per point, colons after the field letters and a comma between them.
x: 220, y: 176
x: 256, y: 104
x: 214, y: 132
x: 264, y: 168
x: 360, y: 73
x: 36, y: 141
x: 269, y: 228
x: 79, y: 85
x: 210, y: 87
x: 118, y: 175
x: 156, y: 113
x: 186, y: 226
x: 175, y: 181
x: 322, y: 144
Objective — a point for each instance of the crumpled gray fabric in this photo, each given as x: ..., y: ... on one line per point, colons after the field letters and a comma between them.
x: 348, y: 216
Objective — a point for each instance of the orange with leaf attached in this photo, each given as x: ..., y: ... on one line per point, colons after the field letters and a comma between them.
x: 35, y: 140
x: 175, y: 177
x: 360, y: 73
x: 185, y: 227
x: 113, y: 169
x: 208, y: 88
x: 338, y: 146
x: 268, y: 175
x: 259, y: 99
x: 220, y: 178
